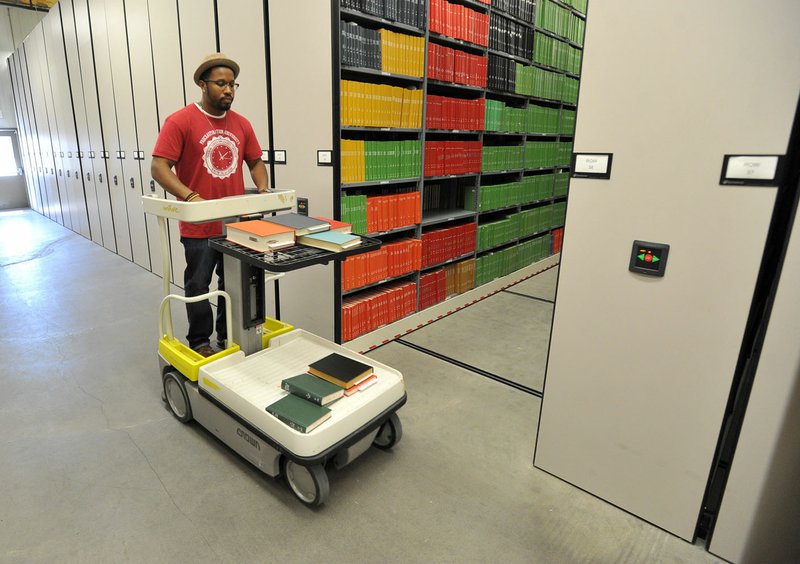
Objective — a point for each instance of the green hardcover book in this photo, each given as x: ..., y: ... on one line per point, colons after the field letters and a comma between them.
x: 299, y: 414
x: 313, y: 389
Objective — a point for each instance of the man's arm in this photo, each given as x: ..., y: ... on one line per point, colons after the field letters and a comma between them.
x: 259, y: 173
x: 161, y: 171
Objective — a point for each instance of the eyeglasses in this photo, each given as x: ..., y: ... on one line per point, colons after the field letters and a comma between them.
x: 223, y: 84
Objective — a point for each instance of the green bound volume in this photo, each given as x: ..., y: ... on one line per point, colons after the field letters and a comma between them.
x: 299, y: 414
x: 313, y: 389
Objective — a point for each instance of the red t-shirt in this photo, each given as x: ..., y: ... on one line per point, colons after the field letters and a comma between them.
x: 208, y: 152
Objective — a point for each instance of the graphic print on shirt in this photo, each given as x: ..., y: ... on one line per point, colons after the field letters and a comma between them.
x: 220, y: 156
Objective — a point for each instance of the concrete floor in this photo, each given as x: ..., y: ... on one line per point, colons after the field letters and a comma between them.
x: 94, y: 469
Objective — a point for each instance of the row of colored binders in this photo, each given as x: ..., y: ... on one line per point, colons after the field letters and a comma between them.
x: 380, y: 105
x: 432, y: 288
x: 409, y: 12
x: 392, y: 211
x: 517, y: 225
x: 443, y: 158
x: 520, y: 9
x: 375, y: 214
x: 530, y: 155
x: 530, y: 189
x: 561, y: 21
x: 376, y: 307
x: 500, y: 263
x: 441, y: 245
x: 360, y: 46
x: 390, y: 261
x: 382, y: 49
x: 459, y: 22
x: 531, y: 119
x: 368, y: 161
x: 453, y: 65
x: 510, y: 37
x: 402, y: 54
x: 454, y: 113
x: 557, y: 54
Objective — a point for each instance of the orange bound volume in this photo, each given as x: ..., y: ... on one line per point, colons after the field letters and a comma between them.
x: 260, y: 235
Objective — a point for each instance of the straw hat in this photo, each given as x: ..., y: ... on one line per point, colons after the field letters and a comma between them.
x: 215, y: 60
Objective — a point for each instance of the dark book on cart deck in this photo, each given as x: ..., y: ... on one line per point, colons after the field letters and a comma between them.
x: 312, y: 388
x: 299, y: 414
x: 340, y: 370
x: 302, y: 224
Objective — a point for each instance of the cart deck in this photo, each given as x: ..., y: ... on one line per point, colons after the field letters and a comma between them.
x: 246, y: 385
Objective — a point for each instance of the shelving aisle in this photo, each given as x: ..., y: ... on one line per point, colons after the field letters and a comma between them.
x: 93, y: 467
x: 456, y: 124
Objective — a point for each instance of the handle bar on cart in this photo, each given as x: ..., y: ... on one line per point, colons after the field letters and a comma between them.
x: 164, y: 308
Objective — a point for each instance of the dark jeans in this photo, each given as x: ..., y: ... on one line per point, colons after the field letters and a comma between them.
x: 201, y: 261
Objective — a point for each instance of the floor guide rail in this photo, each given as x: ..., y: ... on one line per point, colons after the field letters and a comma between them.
x: 471, y: 368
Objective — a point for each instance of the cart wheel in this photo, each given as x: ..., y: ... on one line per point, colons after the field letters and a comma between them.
x: 309, y: 483
x: 177, y: 399
x: 389, y: 434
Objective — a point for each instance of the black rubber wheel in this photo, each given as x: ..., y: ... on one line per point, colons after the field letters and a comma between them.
x: 389, y: 434
x: 177, y: 398
x: 309, y: 483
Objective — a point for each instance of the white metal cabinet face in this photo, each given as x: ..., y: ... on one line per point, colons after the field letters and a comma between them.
x: 20, y: 104
x: 144, y: 100
x: 36, y: 62
x: 108, y: 121
x: 32, y: 84
x: 34, y: 154
x: 241, y: 37
x: 197, y: 40
x: 94, y: 167
x: 167, y: 70
x: 640, y: 368
x: 82, y: 163
x: 69, y: 177
x: 49, y: 76
x: 130, y: 180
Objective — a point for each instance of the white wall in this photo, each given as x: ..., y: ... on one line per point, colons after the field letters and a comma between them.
x: 302, y: 122
x: 640, y: 368
x: 761, y: 508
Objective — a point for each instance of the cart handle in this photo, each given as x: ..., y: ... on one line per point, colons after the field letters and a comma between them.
x: 164, y: 308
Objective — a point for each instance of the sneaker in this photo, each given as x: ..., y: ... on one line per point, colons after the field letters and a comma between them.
x: 205, y: 350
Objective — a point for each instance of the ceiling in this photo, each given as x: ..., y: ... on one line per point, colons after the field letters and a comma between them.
x: 30, y: 4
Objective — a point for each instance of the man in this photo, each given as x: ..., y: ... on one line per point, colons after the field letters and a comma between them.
x: 206, y: 142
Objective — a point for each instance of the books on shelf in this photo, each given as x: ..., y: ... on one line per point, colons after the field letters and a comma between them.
x: 333, y: 241
x: 459, y: 21
x: 341, y: 370
x: 313, y: 389
x: 299, y: 414
x: 301, y: 224
x: 365, y: 104
x: 260, y: 235
x: 373, y: 308
x: 390, y: 261
x: 453, y: 65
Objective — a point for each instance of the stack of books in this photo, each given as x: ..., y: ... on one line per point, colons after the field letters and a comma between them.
x: 305, y: 407
x: 285, y: 230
